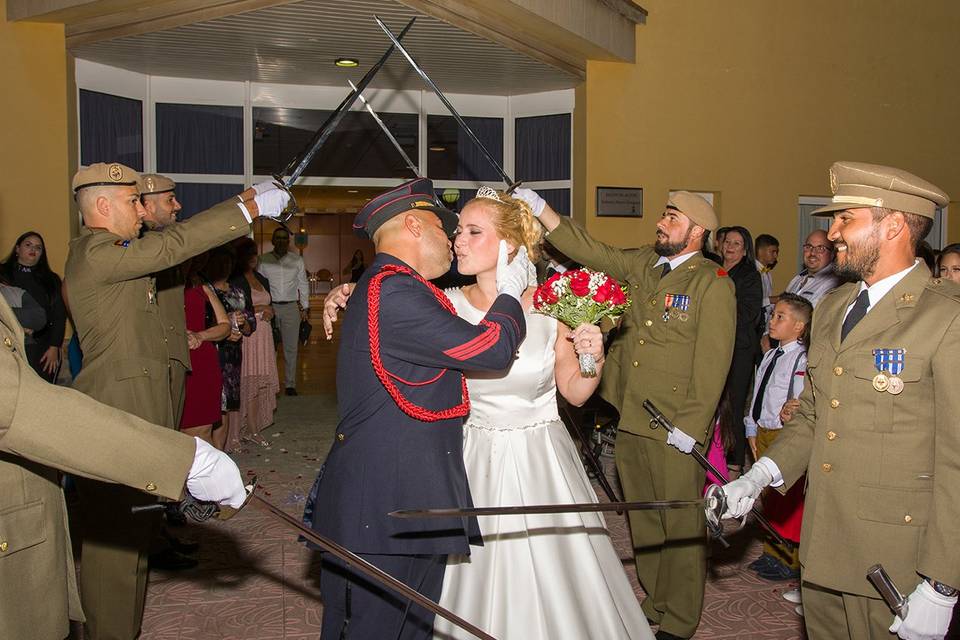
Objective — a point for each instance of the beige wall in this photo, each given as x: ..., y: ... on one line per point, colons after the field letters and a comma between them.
x: 756, y: 99
x: 35, y: 163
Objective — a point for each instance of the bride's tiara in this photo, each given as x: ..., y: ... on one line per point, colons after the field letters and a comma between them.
x: 490, y: 194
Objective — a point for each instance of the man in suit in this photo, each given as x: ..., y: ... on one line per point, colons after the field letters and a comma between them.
x: 44, y: 428
x: 402, y: 399
x: 674, y: 348
x: 114, y: 303
x: 876, y: 431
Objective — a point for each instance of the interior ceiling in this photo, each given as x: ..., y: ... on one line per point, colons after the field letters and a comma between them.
x: 297, y: 43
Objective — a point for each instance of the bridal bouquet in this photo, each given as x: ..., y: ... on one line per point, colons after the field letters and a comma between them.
x: 581, y: 296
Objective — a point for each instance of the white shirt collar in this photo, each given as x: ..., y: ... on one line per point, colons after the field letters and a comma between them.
x: 677, y: 261
x: 880, y: 288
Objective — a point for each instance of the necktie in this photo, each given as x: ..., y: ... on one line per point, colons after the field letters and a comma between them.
x: 666, y: 269
x: 758, y: 403
x: 856, y: 314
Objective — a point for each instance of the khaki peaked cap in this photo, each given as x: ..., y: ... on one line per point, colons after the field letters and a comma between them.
x: 155, y: 183
x: 857, y: 184
x: 102, y: 174
x: 694, y: 207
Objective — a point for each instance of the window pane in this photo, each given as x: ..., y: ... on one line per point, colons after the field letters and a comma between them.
x: 196, y: 197
x: 111, y: 129
x: 453, y: 156
x: 199, y: 139
x: 543, y: 147
x: 558, y: 199
x: 357, y: 148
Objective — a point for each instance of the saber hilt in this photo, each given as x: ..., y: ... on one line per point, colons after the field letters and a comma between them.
x: 660, y: 420
x: 879, y: 578
x: 198, y: 510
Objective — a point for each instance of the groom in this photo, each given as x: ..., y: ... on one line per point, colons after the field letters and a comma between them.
x: 402, y: 399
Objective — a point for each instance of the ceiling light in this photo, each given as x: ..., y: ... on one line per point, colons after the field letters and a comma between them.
x: 438, y: 148
x: 346, y: 62
x: 352, y: 191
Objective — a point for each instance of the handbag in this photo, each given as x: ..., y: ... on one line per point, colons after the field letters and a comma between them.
x: 305, y: 329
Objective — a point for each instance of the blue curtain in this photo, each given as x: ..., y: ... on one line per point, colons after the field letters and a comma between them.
x: 453, y: 156
x: 543, y: 147
x: 558, y: 199
x: 197, y: 197
x: 111, y: 129
x: 199, y: 139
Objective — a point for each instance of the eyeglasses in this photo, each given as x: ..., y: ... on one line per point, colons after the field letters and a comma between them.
x: 816, y: 248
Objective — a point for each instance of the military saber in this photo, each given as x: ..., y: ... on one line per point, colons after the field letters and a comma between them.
x: 879, y: 578
x: 574, y: 507
x: 592, y: 459
x: 396, y: 143
x: 511, y: 185
x: 299, y: 164
x: 715, y: 502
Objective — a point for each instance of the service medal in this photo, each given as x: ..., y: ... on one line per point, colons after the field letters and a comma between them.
x: 881, y: 382
x: 896, y: 386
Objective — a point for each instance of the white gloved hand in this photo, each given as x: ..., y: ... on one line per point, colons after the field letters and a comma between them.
x: 744, y: 491
x: 534, y: 201
x: 531, y: 274
x: 263, y: 187
x: 928, y: 614
x: 680, y: 440
x: 512, y: 277
x: 272, y: 202
x: 214, y: 477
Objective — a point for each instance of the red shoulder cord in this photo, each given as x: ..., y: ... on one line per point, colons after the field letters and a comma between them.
x: 373, y: 322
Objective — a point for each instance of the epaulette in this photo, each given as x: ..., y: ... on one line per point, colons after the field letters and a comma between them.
x: 945, y: 287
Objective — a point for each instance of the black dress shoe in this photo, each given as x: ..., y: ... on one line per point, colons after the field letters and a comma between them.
x: 779, y: 573
x: 291, y: 391
x: 765, y: 561
x: 178, y: 545
x: 170, y: 560
x: 666, y: 635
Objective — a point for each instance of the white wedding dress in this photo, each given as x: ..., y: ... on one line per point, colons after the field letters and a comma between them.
x: 537, y: 577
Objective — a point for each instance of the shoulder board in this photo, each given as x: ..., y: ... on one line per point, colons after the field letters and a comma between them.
x: 943, y: 286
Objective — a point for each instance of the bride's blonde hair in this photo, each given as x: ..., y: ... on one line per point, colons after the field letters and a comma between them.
x: 513, y: 220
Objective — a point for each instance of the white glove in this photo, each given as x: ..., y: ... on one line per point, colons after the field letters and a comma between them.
x: 531, y: 274
x: 512, y: 277
x: 681, y: 441
x: 744, y: 491
x: 272, y: 202
x: 262, y: 187
x: 928, y: 614
x: 534, y: 201
x: 214, y: 477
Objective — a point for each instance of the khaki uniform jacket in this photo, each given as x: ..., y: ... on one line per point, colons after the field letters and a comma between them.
x: 43, y: 428
x: 679, y: 364
x: 113, y: 298
x: 170, y: 299
x: 883, y: 470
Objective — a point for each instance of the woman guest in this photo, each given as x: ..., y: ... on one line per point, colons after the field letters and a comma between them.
x: 259, y: 383
x: 201, y: 406
x: 27, y: 267
x: 948, y: 262
x: 740, y: 264
x: 218, y: 269
x: 356, y: 267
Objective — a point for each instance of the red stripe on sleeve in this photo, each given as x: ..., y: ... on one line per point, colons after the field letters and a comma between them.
x: 477, y: 345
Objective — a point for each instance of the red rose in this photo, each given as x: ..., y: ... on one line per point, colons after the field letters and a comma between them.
x: 602, y: 294
x: 580, y: 283
x: 549, y: 296
x: 551, y: 280
x: 618, y: 296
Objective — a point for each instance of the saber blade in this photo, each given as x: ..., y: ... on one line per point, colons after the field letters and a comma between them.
x: 456, y: 116
x: 372, y: 571
x: 386, y: 131
x: 576, y: 507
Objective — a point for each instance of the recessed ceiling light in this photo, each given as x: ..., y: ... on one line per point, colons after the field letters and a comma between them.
x: 438, y: 148
x: 346, y: 62
x: 352, y: 191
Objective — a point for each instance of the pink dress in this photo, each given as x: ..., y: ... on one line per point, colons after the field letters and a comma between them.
x: 717, y: 457
x: 259, y: 384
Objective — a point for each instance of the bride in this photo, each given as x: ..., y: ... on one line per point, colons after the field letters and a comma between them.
x: 536, y: 576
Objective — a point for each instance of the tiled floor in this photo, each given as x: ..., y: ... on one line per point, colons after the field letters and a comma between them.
x: 256, y: 582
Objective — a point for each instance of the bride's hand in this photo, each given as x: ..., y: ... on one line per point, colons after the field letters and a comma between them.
x: 587, y: 338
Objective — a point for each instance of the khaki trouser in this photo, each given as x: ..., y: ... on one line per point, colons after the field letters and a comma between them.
x: 670, y: 546
x: 830, y: 615
x: 786, y: 555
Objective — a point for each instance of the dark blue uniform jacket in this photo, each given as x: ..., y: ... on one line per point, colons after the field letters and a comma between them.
x: 383, y: 459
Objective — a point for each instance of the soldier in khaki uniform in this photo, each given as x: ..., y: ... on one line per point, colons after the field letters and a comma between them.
x: 159, y: 199
x: 113, y: 299
x: 877, y: 429
x: 674, y: 348
x: 44, y: 428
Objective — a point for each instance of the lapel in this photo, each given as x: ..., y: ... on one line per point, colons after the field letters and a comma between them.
x: 892, y: 309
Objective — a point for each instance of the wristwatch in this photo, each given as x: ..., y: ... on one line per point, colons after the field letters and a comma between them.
x: 942, y: 589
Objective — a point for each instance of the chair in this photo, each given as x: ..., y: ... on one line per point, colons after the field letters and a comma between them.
x: 323, y: 280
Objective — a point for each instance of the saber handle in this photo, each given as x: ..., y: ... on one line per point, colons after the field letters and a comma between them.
x: 882, y: 581
x: 661, y: 420
x: 372, y: 571
x: 456, y: 116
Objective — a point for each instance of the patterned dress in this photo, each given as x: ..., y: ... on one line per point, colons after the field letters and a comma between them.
x: 231, y: 353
